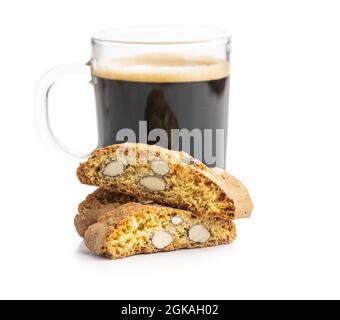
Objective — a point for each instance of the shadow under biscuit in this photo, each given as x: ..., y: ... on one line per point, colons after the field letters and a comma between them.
x: 82, y: 251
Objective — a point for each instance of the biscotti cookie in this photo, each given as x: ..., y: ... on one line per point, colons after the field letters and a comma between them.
x: 135, y: 228
x: 164, y: 176
x: 95, y: 205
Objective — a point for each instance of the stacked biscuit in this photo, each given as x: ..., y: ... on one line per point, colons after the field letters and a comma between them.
x: 151, y: 199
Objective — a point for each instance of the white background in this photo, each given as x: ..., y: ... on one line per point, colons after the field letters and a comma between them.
x: 283, y: 144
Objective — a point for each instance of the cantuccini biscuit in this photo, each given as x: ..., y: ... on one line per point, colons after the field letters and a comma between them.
x: 167, y: 177
x: 135, y: 228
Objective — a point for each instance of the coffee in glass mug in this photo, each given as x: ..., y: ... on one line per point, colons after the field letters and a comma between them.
x: 166, y: 85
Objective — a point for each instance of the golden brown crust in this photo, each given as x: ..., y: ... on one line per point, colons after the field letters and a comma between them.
x: 95, y: 238
x: 236, y: 191
x: 190, y: 184
x: 96, y: 204
x: 128, y: 230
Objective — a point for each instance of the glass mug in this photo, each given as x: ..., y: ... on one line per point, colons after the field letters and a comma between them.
x: 158, y: 85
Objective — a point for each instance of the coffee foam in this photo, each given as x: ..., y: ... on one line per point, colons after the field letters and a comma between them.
x: 162, y: 68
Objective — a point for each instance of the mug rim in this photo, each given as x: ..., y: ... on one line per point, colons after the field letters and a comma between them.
x: 161, y: 35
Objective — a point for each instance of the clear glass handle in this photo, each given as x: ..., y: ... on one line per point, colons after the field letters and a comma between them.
x: 42, y: 113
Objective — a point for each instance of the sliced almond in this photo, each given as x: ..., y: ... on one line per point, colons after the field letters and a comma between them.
x: 153, y: 183
x: 161, y: 239
x: 199, y: 233
x: 176, y: 220
x: 160, y: 167
x: 190, y: 160
x: 114, y: 168
x: 145, y: 201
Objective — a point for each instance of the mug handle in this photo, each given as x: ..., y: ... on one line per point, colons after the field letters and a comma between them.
x: 42, y: 112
